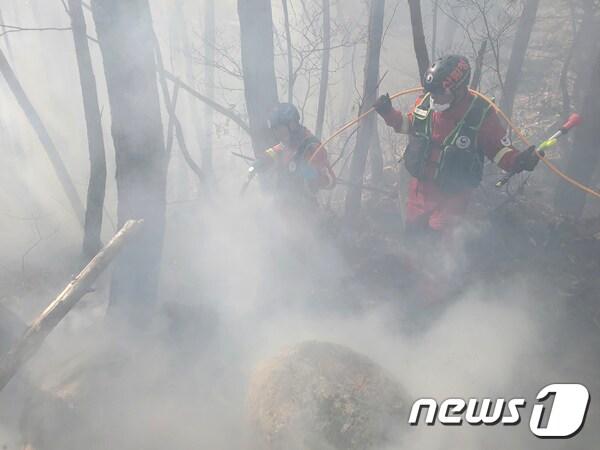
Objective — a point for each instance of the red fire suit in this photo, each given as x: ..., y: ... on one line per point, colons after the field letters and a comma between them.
x: 427, y: 205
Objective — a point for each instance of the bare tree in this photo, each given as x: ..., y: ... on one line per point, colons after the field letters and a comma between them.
x: 290, y: 55
x: 583, y: 159
x: 324, y: 68
x: 42, y: 132
x: 97, y: 183
x: 209, y: 73
x: 258, y: 64
x: 126, y: 41
x: 517, y: 55
x: 364, y: 137
x: 420, y: 45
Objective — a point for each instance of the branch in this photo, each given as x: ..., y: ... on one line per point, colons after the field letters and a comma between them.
x: 14, y: 29
x: 217, y: 107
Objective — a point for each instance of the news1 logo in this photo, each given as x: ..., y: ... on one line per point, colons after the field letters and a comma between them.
x: 563, y: 419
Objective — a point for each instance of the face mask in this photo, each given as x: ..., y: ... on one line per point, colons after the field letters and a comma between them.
x: 437, y: 107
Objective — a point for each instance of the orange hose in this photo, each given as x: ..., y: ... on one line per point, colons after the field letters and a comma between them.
x: 355, y: 121
x: 550, y: 166
x: 518, y: 132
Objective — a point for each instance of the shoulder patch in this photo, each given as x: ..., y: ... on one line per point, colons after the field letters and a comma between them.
x: 506, y: 140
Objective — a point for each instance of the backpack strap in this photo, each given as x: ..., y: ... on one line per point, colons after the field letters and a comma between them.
x: 466, y: 132
x: 421, y: 125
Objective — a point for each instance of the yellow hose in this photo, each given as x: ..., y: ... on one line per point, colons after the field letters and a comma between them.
x: 518, y: 132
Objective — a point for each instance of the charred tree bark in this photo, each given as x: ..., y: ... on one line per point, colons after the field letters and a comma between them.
x: 324, y: 68
x: 290, y: 56
x: 258, y: 65
x: 364, y: 137
x: 517, y: 55
x: 126, y: 40
x: 36, y: 122
x: 97, y: 184
x: 416, y: 20
x: 584, y: 157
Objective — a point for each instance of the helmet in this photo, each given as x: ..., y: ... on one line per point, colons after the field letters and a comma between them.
x: 450, y: 73
x: 283, y: 114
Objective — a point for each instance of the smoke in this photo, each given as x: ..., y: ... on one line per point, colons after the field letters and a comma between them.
x: 240, y: 282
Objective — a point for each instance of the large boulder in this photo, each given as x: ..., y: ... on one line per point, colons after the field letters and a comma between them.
x: 318, y: 395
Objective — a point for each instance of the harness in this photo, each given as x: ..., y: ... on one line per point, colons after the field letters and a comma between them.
x: 291, y: 177
x: 461, y: 159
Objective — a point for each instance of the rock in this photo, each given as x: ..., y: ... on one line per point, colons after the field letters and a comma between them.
x: 317, y: 395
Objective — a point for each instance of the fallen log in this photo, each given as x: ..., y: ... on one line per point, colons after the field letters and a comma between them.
x: 35, y: 334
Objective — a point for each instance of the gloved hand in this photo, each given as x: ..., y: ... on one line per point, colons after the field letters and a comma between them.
x: 527, y: 160
x: 261, y: 164
x: 383, y: 105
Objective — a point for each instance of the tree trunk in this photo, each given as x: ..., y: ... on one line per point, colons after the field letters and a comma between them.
x: 376, y: 158
x: 209, y: 43
x: 589, y: 34
x: 434, y: 30
x: 582, y: 161
x: 97, y: 184
x: 367, y: 127
x: 324, y: 68
x: 420, y: 45
x: 517, y: 55
x: 348, y: 69
x: 258, y: 65
x: 290, y: 56
x: 126, y: 41
x: 36, y: 122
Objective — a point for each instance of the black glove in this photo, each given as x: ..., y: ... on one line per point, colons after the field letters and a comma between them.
x: 383, y: 105
x: 527, y: 160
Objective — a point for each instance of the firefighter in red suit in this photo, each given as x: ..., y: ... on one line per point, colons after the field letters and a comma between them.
x: 451, y: 131
x: 299, y: 171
